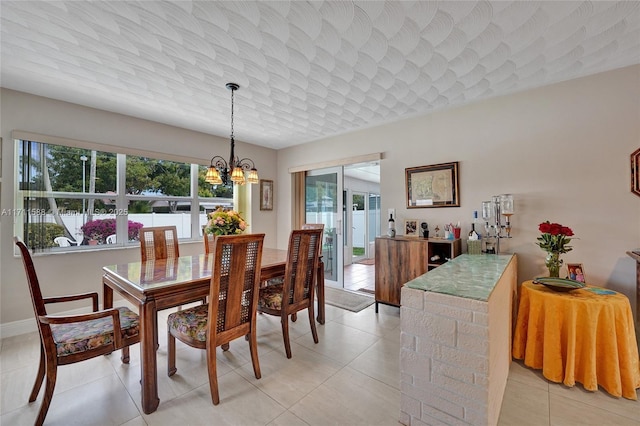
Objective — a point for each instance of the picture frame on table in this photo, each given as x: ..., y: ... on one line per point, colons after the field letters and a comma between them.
x: 433, y: 186
x: 266, y: 194
x: 575, y: 271
x: 411, y: 228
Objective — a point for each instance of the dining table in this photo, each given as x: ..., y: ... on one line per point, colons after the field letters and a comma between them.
x: 155, y: 285
x: 586, y: 335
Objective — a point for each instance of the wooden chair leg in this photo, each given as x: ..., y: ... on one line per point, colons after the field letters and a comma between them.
x: 171, y: 355
x: 39, y: 377
x: 285, y: 335
x: 253, y: 348
x: 50, y: 384
x: 125, y: 355
x: 312, y: 321
x: 213, y: 376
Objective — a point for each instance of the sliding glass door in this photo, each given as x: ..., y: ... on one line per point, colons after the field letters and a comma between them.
x: 325, y: 204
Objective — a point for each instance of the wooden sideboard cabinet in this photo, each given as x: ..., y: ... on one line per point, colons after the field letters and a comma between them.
x: 401, y: 259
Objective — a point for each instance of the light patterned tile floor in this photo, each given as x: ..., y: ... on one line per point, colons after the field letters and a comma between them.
x: 358, y: 276
x: 350, y: 378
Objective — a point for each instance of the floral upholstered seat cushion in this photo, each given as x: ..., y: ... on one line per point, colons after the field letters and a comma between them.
x: 79, y: 337
x: 271, y: 297
x: 190, y: 322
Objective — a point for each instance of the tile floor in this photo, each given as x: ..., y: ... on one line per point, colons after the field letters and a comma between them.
x: 358, y: 275
x: 350, y: 378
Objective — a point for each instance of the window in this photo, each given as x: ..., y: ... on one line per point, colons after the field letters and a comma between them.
x: 74, y: 197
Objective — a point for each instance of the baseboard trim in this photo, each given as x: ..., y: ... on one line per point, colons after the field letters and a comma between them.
x: 17, y: 328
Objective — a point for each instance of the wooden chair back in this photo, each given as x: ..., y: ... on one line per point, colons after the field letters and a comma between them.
x: 34, y: 288
x: 235, y: 284
x: 300, y: 270
x: 315, y: 226
x: 208, y: 241
x: 159, y: 242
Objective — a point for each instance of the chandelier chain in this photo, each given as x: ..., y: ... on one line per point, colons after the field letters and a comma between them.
x: 232, y: 92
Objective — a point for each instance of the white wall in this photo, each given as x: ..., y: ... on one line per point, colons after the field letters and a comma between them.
x: 563, y: 151
x: 80, y: 272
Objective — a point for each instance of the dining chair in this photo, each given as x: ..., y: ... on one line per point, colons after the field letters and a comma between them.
x: 297, y: 290
x: 159, y: 242
x: 67, y: 339
x: 231, y: 311
x: 294, y: 316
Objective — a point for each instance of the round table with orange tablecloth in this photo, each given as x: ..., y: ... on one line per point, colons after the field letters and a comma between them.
x: 580, y: 336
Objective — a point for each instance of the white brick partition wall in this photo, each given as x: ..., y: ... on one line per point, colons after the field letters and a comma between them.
x: 455, y: 355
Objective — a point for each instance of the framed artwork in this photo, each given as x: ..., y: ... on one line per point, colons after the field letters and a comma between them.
x: 635, y: 172
x: 266, y: 194
x: 433, y: 186
x: 411, y: 227
x: 575, y: 271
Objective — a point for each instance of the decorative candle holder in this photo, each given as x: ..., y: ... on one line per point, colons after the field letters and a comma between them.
x: 493, y: 212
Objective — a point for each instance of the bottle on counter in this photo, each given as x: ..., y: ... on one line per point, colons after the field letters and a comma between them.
x: 392, y: 227
x: 473, y: 234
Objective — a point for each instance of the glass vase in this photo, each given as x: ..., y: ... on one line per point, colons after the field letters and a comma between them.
x: 553, y: 263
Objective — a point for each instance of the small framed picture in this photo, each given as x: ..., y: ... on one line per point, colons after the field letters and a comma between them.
x: 411, y: 227
x: 266, y: 194
x: 575, y: 271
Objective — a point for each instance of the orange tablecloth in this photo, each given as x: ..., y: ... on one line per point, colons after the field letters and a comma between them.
x: 578, y: 336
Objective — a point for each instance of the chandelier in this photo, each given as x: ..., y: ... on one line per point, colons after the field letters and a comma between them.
x: 220, y: 172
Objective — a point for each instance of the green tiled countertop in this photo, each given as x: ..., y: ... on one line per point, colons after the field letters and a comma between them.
x: 468, y: 276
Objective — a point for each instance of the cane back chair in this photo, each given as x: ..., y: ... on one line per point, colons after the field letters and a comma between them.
x: 297, y: 290
x: 231, y: 311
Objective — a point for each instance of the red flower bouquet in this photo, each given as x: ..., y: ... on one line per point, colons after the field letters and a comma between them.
x: 555, y: 241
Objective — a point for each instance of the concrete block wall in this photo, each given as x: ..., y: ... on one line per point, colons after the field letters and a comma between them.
x: 455, y: 355
x: 444, y: 359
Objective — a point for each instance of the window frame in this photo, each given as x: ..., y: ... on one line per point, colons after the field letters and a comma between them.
x: 121, y: 198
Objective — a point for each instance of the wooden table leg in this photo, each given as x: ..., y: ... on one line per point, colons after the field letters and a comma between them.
x: 148, y: 362
x: 107, y: 296
x: 320, y: 291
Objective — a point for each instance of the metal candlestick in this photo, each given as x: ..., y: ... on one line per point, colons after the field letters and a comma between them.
x: 492, y: 214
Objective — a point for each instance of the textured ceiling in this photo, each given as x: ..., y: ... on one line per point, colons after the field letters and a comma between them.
x: 306, y: 69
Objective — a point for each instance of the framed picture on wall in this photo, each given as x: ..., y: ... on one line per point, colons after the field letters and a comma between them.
x: 433, y: 186
x: 411, y: 227
x: 266, y: 194
x: 575, y: 271
x: 635, y: 172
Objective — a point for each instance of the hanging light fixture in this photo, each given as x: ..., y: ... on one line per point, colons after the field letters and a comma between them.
x: 220, y: 171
